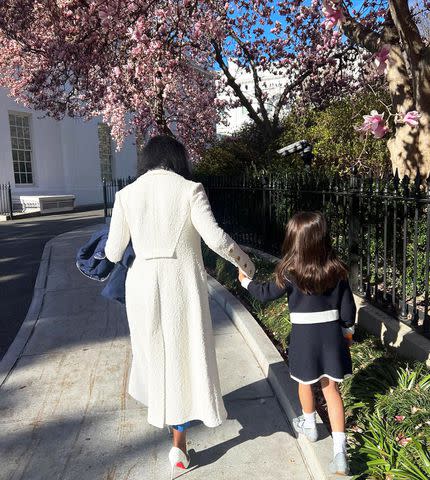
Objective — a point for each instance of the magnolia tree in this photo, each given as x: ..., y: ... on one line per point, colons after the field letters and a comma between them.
x: 142, y: 65
x: 151, y: 65
x: 331, y: 48
x: 401, y: 53
x: 288, y: 40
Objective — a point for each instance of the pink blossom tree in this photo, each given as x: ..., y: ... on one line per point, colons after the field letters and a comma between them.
x: 329, y: 48
x: 142, y: 65
x: 391, y: 32
x: 151, y: 65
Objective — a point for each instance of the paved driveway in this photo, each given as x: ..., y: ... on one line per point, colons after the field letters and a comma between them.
x: 65, y: 413
x: 21, y: 246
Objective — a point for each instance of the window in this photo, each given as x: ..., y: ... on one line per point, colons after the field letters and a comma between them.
x: 20, y: 135
x: 105, y: 151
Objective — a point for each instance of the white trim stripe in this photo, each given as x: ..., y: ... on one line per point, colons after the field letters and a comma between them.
x: 305, y: 318
x: 339, y: 380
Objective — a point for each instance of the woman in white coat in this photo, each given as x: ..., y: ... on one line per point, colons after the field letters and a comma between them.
x: 174, y: 370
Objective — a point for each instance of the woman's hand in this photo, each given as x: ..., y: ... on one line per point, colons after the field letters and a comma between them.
x: 242, y: 276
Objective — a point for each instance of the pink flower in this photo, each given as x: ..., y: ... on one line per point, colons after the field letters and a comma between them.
x: 332, y: 13
x: 411, y: 118
x: 381, y: 59
x: 402, y: 440
x: 375, y: 124
x: 399, y: 418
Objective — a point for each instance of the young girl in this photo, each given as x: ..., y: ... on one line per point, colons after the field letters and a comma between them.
x: 322, y: 313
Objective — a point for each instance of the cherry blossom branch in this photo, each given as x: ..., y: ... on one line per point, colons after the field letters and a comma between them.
x: 257, y: 89
x: 234, y: 85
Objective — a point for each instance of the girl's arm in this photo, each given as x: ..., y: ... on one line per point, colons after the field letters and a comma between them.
x: 347, y: 310
x: 266, y: 291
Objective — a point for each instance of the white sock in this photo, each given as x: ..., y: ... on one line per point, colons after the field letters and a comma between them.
x: 339, y: 443
x: 310, y: 419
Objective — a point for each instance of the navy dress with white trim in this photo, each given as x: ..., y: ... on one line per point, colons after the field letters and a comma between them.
x: 317, y: 346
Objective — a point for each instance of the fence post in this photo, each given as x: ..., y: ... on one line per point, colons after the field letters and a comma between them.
x: 9, y: 196
x: 426, y: 322
x: 354, y: 232
x: 265, y: 212
x: 105, y: 198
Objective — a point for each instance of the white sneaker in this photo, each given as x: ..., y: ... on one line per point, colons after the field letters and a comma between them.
x: 339, y: 464
x: 311, y: 433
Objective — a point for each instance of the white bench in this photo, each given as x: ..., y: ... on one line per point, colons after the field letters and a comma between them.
x: 47, y: 203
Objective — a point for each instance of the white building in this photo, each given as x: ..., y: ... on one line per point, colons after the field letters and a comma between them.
x: 41, y: 156
x: 271, y: 84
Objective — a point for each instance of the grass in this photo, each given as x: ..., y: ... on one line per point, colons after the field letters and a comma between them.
x: 387, y: 399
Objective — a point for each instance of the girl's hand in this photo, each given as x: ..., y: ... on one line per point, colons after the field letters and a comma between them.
x: 242, y: 276
x: 348, y: 339
x: 348, y: 334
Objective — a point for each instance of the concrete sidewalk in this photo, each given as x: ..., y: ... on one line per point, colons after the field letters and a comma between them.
x: 65, y: 412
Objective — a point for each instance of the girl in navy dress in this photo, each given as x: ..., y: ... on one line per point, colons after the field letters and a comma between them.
x: 322, y: 313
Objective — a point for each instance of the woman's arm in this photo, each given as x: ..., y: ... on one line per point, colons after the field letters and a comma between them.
x: 214, y: 236
x: 119, y: 233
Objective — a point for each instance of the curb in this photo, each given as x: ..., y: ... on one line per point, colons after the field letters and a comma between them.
x: 316, y: 455
x: 26, y: 330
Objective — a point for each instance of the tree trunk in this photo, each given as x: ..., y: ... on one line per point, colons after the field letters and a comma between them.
x: 410, y: 147
x: 160, y: 117
x: 408, y: 84
x: 410, y: 90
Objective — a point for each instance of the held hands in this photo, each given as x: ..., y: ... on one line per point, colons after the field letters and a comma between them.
x: 242, y: 276
x: 347, y: 335
x: 348, y: 339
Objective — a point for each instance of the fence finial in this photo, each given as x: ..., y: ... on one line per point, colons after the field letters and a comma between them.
x: 396, y: 180
x: 405, y: 185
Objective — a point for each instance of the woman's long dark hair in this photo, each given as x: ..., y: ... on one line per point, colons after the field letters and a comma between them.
x: 164, y: 151
x: 308, y: 257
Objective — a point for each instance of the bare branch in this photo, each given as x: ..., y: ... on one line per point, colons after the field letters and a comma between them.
x: 358, y: 33
x: 234, y: 85
x: 257, y: 89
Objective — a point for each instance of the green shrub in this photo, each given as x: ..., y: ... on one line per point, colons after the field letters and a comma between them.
x: 337, y: 146
x: 246, y: 149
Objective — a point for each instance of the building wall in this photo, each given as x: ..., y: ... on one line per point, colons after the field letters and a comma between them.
x: 65, y: 156
x: 236, y: 117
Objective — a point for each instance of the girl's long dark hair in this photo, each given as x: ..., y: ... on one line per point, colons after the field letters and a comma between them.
x: 308, y: 257
x: 164, y: 151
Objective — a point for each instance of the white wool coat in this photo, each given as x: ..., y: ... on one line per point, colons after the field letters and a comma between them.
x: 174, y: 370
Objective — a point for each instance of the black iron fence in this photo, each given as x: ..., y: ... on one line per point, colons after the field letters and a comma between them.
x: 380, y: 227
x: 110, y: 187
x: 6, y: 206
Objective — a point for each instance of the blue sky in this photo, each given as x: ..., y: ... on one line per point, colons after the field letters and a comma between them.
x: 356, y: 4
